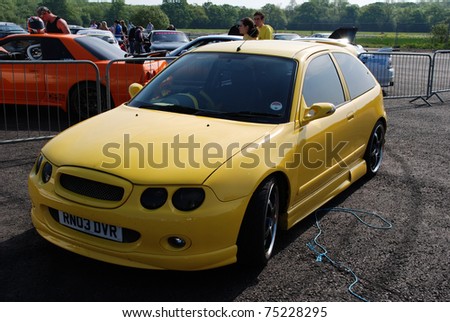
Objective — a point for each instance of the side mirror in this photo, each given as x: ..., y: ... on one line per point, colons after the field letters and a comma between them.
x: 134, y: 88
x: 317, y: 111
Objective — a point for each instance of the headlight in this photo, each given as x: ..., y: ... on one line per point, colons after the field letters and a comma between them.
x: 46, y: 172
x: 38, y: 163
x: 153, y: 198
x: 188, y: 198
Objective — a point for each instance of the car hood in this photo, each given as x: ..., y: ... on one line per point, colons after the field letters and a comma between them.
x: 154, y: 147
x: 345, y: 32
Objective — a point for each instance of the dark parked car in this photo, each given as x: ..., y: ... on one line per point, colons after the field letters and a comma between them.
x: 166, y: 40
x: 10, y: 28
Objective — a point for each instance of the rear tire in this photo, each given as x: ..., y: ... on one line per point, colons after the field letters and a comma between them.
x: 375, y: 149
x: 83, y: 100
x: 259, y: 227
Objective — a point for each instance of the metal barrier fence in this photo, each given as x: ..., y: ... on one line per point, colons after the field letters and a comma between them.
x: 38, y: 99
x: 41, y: 98
x: 415, y: 75
x: 440, y: 80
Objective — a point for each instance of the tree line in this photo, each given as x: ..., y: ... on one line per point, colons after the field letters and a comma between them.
x: 314, y: 15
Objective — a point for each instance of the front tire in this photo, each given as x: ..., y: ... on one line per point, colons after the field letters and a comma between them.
x: 375, y: 149
x: 259, y: 227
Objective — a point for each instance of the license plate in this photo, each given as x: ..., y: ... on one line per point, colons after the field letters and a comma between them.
x: 91, y: 227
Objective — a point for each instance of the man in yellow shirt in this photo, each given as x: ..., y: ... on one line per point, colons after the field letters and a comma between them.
x: 265, y: 31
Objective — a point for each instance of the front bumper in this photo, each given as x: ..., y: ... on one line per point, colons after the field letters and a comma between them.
x: 210, y: 231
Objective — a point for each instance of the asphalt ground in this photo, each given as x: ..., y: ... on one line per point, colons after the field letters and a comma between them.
x: 409, y: 262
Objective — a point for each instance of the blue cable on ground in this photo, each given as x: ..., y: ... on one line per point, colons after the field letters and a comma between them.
x: 322, y: 252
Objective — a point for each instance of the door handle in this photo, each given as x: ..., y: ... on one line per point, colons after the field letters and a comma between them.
x: 350, y: 116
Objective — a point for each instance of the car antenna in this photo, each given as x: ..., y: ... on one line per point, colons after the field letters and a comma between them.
x: 239, y: 47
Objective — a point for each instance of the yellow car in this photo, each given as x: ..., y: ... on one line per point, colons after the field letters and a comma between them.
x: 230, y: 143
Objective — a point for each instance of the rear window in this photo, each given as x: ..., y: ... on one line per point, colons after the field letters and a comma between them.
x: 100, y: 48
x: 357, y: 76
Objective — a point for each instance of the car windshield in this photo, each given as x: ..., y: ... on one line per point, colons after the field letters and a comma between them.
x: 249, y: 88
x: 169, y: 37
x: 100, y: 49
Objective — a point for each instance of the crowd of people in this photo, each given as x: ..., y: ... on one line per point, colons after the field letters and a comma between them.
x: 132, y: 37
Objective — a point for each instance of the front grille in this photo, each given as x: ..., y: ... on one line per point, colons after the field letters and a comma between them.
x: 90, y: 188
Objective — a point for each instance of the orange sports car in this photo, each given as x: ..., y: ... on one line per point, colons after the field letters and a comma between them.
x: 68, y: 71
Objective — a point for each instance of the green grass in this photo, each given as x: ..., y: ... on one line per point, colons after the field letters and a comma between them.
x: 402, y: 41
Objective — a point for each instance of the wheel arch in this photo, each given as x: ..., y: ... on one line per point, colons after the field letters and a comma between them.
x: 383, y: 120
x: 251, y: 239
x: 285, y: 193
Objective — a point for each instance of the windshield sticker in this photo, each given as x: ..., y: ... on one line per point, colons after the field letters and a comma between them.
x: 276, y: 106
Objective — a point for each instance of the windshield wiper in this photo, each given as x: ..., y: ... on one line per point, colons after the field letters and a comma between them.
x: 168, y: 107
x: 251, y: 114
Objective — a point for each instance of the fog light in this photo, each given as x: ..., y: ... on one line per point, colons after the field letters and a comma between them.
x: 46, y: 172
x: 153, y: 198
x: 187, y: 199
x: 176, y: 242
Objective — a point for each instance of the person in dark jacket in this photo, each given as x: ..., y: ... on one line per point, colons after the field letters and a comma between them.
x: 139, y: 40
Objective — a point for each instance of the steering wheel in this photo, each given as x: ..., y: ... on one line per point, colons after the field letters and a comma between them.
x: 34, y: 52
x: 205, y: 101
x: 183, y: 99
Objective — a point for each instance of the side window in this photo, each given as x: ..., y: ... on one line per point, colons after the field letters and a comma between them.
x: 322, y: 83
x: 356, y: 76
x: 20, y: 48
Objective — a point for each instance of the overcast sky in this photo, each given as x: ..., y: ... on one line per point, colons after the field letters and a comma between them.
x: 254, y: 4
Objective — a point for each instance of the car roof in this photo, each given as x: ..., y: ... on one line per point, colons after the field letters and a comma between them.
x: 281, y: 48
